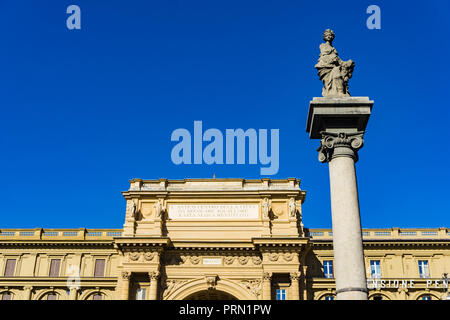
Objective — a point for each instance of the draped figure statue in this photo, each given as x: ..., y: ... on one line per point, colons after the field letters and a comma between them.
x: 333, y: 71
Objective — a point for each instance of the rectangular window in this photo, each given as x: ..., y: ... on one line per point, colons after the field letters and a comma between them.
x: 328, y: 268
x: 375, y: 268
x: 424, y: 271
x: 10, y: 267
x: 99, y: 270
x: 54, y: 267
x: 281, y: 294
x: 140, y: 294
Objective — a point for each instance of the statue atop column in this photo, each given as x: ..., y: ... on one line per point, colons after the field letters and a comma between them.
x: 333, y: 71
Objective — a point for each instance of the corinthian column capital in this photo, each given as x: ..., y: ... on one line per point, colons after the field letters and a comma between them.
x: 154, y: 275
x: 333, y: 145
x: 267, y: 276
x: 295, y: 276
x: 126, y: 275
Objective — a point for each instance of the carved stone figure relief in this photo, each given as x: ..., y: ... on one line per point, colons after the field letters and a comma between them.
x: 148, y: 256
x: 131, y: 210
x: 229, y: 260
x: 266, y: 207
x: 160, y: 208
x: 243, y: 259
x: 292, y: 208
x: 195, y: 259
x: 288, y: 256
x: 134, y: 256
x: 273, y: 256
x: 172, y: 285
x: 254, y: 286
x: 256, y: 260
x: 211, y: 282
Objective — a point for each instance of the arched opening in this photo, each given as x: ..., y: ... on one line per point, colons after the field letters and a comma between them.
x: 6, y: 295
x: 427, y: 296
x: 378, y: 296
x: 210, y: 295
x: 96, y: 296
x: 50, y: 296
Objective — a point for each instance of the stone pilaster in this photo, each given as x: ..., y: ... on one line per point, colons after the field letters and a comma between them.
x: 295, y: 291
x: 27, y: 292
x: 304, y: 282
x: 130, y: 218
x: 154, y: 277
x: 267, y: 286
x: 125, y: 293
x: 73, y: 293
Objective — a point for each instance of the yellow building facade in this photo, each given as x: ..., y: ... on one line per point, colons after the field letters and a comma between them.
x: 214, y: 239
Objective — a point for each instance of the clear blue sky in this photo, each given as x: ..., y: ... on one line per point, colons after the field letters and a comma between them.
x: 84, y: 111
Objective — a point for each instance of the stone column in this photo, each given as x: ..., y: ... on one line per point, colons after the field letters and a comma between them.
x: 125, y: 295
x: 267, y: 284
x: 304, y: 282
x: 154, y: 276
x: 340, y: 151
x: 340, y: 124
x: 73, y: 293
x: 295, y: 291
x: 27, y: 295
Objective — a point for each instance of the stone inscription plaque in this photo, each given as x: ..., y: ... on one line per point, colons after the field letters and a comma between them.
x: 213, y: 261
x: 213, y: 211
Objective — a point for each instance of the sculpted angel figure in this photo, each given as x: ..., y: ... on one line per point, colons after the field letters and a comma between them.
x: 266, y: 206
x: 132, y: 209
x: 292, y: 207
x: 159, y: 207
x: 333, y: 72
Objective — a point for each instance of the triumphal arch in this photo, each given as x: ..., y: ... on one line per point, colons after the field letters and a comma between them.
x: 213, y: 239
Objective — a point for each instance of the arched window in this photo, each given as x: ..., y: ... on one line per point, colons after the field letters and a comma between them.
x: 50, y: 296
x: 6, y: 296
x: 377, y: 297
x: 97, y: 296
x: 425, y: 297
x: 329, y: 297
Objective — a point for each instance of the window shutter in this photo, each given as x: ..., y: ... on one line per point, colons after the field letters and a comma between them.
x: 54, y: 267
x: 10, y: 267
x: 99, y: 270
